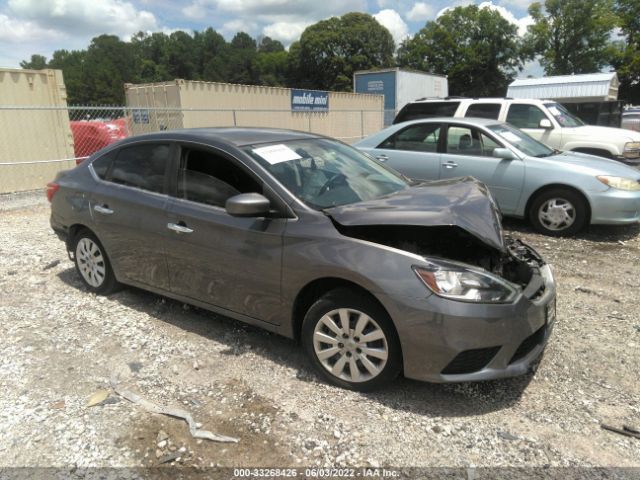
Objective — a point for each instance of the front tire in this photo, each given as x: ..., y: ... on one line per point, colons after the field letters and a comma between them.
x: 92, y: 264
x: 351, y: 341
x: 558, y: 212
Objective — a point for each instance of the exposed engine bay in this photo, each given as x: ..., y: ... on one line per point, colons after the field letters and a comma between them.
x: 516, y: 265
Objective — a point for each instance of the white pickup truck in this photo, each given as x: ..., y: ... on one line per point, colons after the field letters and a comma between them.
x: 545, y: 120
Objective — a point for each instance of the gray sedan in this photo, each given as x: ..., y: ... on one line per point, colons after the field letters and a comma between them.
x: 559, y: 192
x: 307, y: 237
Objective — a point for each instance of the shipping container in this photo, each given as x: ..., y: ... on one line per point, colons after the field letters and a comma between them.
x: 35, y: 138
x: 187, y: 104
x: 399, y: 87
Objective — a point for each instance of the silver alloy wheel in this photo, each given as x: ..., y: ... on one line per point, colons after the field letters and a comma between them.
x: 90, y: 262
x: 350, y: 345
x: 557, y: 214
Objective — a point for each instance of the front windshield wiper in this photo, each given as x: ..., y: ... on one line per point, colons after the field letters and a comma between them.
x: 555, y: 151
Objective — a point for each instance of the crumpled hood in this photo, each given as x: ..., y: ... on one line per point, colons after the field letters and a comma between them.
x: 462, y: 202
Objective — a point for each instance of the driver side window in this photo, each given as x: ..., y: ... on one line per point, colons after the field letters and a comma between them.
x: 469, y: 141
x: 525, y: 116
x: 209, y: 178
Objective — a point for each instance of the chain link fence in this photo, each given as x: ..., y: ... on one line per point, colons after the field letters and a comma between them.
x: 37, y: 142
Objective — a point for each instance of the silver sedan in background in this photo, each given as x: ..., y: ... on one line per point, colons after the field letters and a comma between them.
x: 559, y: 192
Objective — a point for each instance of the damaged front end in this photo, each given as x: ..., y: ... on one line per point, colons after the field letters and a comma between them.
x: 448, y: 247
x: 455, y: 226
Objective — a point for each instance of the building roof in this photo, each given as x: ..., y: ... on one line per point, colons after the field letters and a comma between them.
x: 603, y: 85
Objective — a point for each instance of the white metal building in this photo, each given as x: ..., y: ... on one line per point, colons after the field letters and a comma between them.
x: 592, y: 87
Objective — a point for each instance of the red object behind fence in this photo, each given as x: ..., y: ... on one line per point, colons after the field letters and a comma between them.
x: 91, y: 136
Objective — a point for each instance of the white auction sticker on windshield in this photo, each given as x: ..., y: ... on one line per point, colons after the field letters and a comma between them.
x: 276, y: 153
x: 510, y: 136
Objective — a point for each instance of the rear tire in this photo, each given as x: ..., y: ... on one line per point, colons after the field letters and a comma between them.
x: 92, y: 264
x: 362, y: 355
x: 558, y: 212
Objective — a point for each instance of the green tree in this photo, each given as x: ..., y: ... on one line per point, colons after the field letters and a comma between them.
x: 571, y: 36
x: 72, y: 65
x: 271, y: 68
x: 240, y: 57
x: 109, y: 63
x: 476, y: 47
x: 180, y: 56
x: 627, y: 58
x: 331, y: 50
x: 268, y: 45
x: 211, y: 48
x: 150, y: 53
x: 37, y: 62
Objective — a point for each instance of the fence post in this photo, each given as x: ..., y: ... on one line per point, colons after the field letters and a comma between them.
x: 234, y: 119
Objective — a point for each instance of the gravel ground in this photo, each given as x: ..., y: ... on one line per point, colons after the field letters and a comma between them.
x: 59, y: 345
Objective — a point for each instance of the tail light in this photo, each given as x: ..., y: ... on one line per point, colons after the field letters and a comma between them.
x: 52, y: 188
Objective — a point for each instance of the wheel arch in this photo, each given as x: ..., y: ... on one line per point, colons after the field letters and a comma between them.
x: 552, y: 186
x: 315, y: 289
x: 73, y: 231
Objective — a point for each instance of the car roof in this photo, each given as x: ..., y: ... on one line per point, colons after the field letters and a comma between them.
x: 461, y: 120
x: 480, y: 99
x: 236, y: 136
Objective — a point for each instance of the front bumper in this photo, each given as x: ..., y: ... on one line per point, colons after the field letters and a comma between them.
x: 615, y: 207
x: 449, y: 341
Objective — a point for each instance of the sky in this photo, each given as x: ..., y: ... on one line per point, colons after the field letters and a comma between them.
x: 41, y: 26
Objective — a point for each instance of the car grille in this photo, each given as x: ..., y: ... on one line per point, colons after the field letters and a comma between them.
x: 528, y: 344
x: 470, y: 361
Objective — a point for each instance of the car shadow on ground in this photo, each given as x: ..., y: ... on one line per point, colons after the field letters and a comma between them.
x: 429, y: 399
x: 594, y: 233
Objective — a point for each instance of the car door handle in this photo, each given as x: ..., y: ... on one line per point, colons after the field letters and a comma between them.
x: 450, y: 165
x: 176, y: 227
x: 382, y: 158
x: 103, y: 209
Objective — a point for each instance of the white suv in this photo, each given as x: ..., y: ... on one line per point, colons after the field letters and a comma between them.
x: 545, y: 120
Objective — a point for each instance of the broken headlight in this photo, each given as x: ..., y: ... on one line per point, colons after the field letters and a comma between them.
x: 465, y: 284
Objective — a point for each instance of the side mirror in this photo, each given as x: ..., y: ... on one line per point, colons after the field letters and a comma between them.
x: 503, y: 153
x: 248, y: 205
x: 546, y: 124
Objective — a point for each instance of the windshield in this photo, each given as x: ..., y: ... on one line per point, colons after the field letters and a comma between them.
x: 324, y: 173
x: 562, y: 115
x: 521, y: 140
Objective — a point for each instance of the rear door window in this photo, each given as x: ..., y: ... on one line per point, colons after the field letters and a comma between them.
x: 423, y: 137
x: 415, y: 111
x: 484, y: 110
x: 141, y: 166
